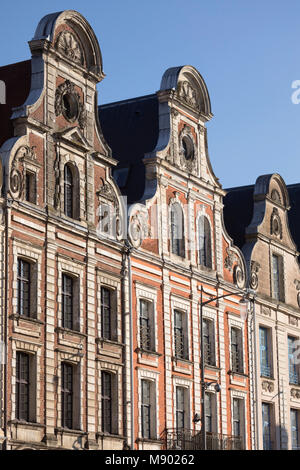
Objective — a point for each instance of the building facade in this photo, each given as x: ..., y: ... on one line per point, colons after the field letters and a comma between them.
x: 263, y: 231
x: 118, y: 268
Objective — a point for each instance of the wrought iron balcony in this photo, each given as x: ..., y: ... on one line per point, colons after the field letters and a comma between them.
x: 188, y: 439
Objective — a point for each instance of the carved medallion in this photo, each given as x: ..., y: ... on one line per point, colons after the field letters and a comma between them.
x: 255, y: 266
x: 68, y: 103
x: 295, y: 393
x: 229, y: 260
x: 69, y: 46
x: 276, y: 226
x: 267, y: 386
x: 238, y: 276
x: 16, y: 179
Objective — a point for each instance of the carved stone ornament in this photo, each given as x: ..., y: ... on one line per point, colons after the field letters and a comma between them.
x: 69, y: 46
x: 107, y: 192
x: 16, y: 178
x: 275, y: 196
x: 255, y: 267
x: 267, y: 386
x: 68, y: 103
x: 238, y: 276
x: 188, y: 94
x: 276, y: 225
x: 138, y: 228
x: 266, y: 311
x: 187, y: 150
x: 295, y: 393
x: 293, y: 320
x: 229, y: 260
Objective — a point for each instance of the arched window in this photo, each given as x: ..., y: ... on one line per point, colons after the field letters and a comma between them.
x: 177, y: 230
x: 71, y: 191
x: 204, y: 252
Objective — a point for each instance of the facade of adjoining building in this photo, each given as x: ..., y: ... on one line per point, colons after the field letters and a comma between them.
x: 111, y: 234
x: 258, y: 219
x: 164, y: 170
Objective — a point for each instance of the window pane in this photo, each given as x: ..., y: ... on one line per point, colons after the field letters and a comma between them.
x: 145, y: 326
x: 264, y: 353
x: 22, y: 386
x: 67, y: 301
x: 266, y: 419
x: 146, y: 409
x: 204, y: 242
x: 67, y: 396
x: 106, y: 313
x: 68, y: 191
x: 180, y: 408
x: 180, y: 351
x: 293, y: 370
x: 294, y: 429
x: 106, y: 402
x: 24, y: 288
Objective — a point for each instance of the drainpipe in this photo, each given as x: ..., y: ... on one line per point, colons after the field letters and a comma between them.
x: 5, y: 321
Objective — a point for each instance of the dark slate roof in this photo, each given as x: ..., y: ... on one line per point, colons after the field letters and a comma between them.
x: 130, y: 128
x: 293, y: 213
x: 238, y: 211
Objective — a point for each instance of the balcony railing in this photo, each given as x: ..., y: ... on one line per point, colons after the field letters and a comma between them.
x: 188, y: 439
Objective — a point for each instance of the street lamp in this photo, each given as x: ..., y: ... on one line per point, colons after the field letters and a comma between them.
x: 244, y: 307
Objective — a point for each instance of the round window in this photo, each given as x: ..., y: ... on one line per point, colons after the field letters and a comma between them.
x: 70, y: 106
x: 188, y: 148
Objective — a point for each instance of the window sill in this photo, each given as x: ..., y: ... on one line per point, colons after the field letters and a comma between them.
x: 151, y: 440
x: 107, y: 434
x: 23, y: 317
x: 211, y: 367
x: 78, y: 432
x: 61, y: 329
x: 29, y: 424
x: 181, y: 359
x: 109, y: 341
x: 270, y: 377
x: 241, y: 374
x: 148, y: 352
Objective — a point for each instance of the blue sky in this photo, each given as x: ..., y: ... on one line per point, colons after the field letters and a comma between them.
x: 247, y: 51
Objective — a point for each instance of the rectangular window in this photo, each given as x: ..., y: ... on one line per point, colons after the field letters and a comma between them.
x: 236, y: 417
x: 181, y: 418
x: 22, y: 386
x: 295, y: 429
x: 24, y: 287
x: 146, y: 408
x: 277, y: 278
x: 180, y: 336
x: 236, y: 350
x: 209, y: 412
x: 70, y: 301
x: 293, y: 367
x: 266, y: 421
x: 209, y: 342
x: 106, y: 313
x: 106, y: 380
x: 264, y: 341
x: 147, y: 340
x: 67, y: 395
x: 30, y: 187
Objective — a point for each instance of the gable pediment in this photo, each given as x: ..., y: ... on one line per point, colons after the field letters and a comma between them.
x: 74, y: 136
